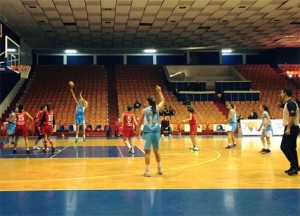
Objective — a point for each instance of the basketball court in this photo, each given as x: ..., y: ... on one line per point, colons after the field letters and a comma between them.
x: 99, y: 177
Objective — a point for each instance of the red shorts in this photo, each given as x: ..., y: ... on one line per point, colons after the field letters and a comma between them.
x: 36, y: 130
x: 47, y: 130
x: 21, y: 130
x: 128, y: 133
x: 193, y: 129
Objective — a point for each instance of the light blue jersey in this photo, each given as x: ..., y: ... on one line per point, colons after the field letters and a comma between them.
x: 233, y: 122
x: 267, y: 128
x: 79, y: 115
x: 151, y: 130
x: 151, y: 121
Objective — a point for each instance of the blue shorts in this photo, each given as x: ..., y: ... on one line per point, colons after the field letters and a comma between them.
x: 11, y: 128
x: 233, y: 126
x: 267, y: 133
x: 79, y: 119
x: 151, y: 139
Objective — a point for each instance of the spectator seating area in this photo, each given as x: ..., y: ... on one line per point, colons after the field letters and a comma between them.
x: 269, y: 82
x: 49, y: 84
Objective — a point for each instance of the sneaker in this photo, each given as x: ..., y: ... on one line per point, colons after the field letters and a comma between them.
x: 84, y: 139
x: 234, y: 145
x: 147, y: 174
x: 45, y: 150
x: 159, y: 171
x: 53, y: 149
x: 162, y: 136
x: 195, y: 148
x: 27, y: 151
x: 229, y: 147
x: 76, y: 140
x: 268, y: 151
x: 14, y: 151
x: 263, y: 151
x: 36, y: 148
x: 170, y: 135
x: 131, y: 150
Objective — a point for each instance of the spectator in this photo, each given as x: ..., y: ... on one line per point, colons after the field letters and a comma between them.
x: 253, y: 115
x: 107, y: 129
x: 165, y: 126
x: 137, y: 104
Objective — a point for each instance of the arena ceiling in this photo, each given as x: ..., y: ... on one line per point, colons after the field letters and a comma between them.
x: 121, y: 25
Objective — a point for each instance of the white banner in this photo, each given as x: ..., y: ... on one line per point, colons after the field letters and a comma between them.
x: 251, y: 126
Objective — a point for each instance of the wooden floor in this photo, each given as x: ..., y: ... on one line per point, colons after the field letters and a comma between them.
x: 211, y: 167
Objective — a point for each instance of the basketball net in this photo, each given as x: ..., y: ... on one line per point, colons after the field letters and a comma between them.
x: 23, y: 70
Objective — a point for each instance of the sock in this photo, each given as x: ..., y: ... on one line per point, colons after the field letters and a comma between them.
x: 76, y: 137
x: 128, y: 144
x: 147, y: 168
x: 83, y: 136
x: 158, y: 165
x: 51, y: 142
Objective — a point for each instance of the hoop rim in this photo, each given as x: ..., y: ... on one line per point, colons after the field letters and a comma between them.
x: 23, y: 70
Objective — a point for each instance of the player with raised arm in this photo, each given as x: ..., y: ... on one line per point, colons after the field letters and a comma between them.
x: 151, y: 130
x: 82, y: 104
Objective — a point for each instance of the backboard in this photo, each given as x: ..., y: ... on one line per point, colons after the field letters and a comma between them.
x: 10, y: 55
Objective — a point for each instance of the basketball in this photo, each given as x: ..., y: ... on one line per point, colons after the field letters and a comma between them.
x: 71, y: 84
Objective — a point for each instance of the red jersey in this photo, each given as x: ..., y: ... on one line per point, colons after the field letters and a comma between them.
x: 21, y: 118
x: 50, y: 118
x: 128, y: 120
x: 38, y: 118
x: 193, y: 120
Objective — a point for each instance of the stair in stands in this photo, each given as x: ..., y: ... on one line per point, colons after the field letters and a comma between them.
x: 220, y: 105
x: 112, y: 98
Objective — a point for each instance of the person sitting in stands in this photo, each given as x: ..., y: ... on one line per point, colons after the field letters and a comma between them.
x: 137, y: 104
x: 165, y: 126
x: 107, y: 129
x: 253, y: 115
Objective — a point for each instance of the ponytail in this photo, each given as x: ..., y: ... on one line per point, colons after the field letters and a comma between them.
x: 152, y: 103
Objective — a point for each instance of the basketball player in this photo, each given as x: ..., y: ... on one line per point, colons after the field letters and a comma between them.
x: 11, y: 126
x: 46, y: 127
x: 151, y: 131
x: 82, y: 104
x: 129, y: 123
x: 37, y: 122
x: 267, y: 129
x: 21, y: 129
x: 232, y: 124
x: 193, y: 127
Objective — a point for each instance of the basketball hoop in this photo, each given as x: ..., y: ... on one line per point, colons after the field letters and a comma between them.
x: 23, y: 70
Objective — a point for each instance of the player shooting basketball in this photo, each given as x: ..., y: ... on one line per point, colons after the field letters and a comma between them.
x: 82, y: 104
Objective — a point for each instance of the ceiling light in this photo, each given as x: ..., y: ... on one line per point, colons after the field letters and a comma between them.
x: 150, y: 51
x: 226, y: 50
x: 70, y: 51
x: 11, y: 50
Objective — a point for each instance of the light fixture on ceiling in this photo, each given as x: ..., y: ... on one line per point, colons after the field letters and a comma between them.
x: 149, y: 50
x: 226, y: 50
x: 11, y: 50
x: 70, y: 51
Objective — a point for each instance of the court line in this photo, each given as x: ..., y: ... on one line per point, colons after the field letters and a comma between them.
x: 59, y: 151
x: 218, y: 155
